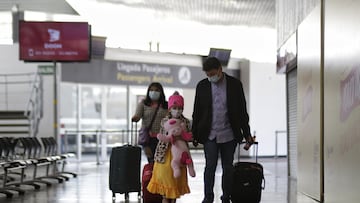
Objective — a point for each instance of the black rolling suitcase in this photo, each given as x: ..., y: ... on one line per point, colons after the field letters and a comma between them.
x: 124, y: 172
x: 248, y: 179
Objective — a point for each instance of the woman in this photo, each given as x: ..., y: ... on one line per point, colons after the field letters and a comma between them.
x: 154, y: 104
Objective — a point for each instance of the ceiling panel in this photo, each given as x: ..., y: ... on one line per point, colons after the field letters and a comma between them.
x: 255, y: 13
x: 258, y: 13
x: 48, y: 6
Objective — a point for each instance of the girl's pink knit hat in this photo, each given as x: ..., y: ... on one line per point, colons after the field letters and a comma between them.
x: 176, y: 99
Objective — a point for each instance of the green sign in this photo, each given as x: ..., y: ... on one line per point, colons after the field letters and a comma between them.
x: 46, y: 69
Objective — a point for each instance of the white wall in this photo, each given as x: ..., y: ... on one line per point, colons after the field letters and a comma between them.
x: 189, y: 96
x: 10, y: 63
x: 266, y: 102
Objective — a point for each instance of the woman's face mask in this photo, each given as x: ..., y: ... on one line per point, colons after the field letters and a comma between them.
x: 176, y: 113
x: 154, y: 95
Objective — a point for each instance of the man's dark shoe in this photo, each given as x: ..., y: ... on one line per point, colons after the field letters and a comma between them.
x: 225, y: 199
x: 208, y: 200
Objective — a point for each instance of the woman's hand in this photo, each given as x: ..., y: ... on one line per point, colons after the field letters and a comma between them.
x: 135, y: 118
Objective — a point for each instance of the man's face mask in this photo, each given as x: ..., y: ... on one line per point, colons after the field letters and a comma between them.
x: 214, y: 75
x: 214, y: 78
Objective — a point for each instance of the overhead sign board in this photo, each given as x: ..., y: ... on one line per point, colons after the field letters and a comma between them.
x: 54, y: 41
x: 128, y: 73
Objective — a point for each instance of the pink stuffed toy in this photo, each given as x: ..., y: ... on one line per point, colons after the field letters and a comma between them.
x: 175, y: 134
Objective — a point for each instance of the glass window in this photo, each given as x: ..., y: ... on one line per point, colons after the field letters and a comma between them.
x: 91, y: 102
x: 116, y: 107
x: 68, y: 105
x: 90, y: 107
x: 68, y: 100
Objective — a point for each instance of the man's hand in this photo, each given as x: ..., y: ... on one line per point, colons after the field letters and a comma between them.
x: 249, y: 141
x: 195, y: 143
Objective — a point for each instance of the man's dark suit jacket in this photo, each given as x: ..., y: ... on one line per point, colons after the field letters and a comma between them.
x: 236, y: 104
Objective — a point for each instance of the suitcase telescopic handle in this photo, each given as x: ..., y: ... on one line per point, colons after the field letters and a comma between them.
x: 133, y: 133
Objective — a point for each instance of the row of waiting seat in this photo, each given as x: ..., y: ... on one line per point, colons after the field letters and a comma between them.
x: 21, y: 156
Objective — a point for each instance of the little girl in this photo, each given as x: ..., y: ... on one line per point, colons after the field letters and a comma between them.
x: 163, y: 181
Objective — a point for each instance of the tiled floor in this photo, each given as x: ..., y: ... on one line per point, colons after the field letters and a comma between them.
x: 91, y: 185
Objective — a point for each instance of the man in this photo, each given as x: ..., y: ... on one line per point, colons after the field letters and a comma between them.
x: 220, y: 120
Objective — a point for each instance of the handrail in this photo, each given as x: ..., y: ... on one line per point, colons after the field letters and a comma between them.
x: 12, y: 79
x: 27, y: 93
x: 99, y: 134
x: 16, y: 74
x: 30, y: 97
x: 35, y: 104
x: 97, y: 131
x: 16, y: 82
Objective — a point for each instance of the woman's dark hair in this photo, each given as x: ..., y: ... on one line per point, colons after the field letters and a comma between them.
x: 211, y: 63
x: 161, y: 100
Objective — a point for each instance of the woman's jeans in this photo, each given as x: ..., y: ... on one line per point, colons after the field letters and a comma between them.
x: 212, y: 149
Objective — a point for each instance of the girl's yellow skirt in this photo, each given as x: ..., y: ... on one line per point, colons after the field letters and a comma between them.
x: 163, y: 182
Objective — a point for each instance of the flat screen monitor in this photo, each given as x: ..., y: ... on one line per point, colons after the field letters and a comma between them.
x: 222, y: 54
x: 54, y: 41
x: 98, y: 47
